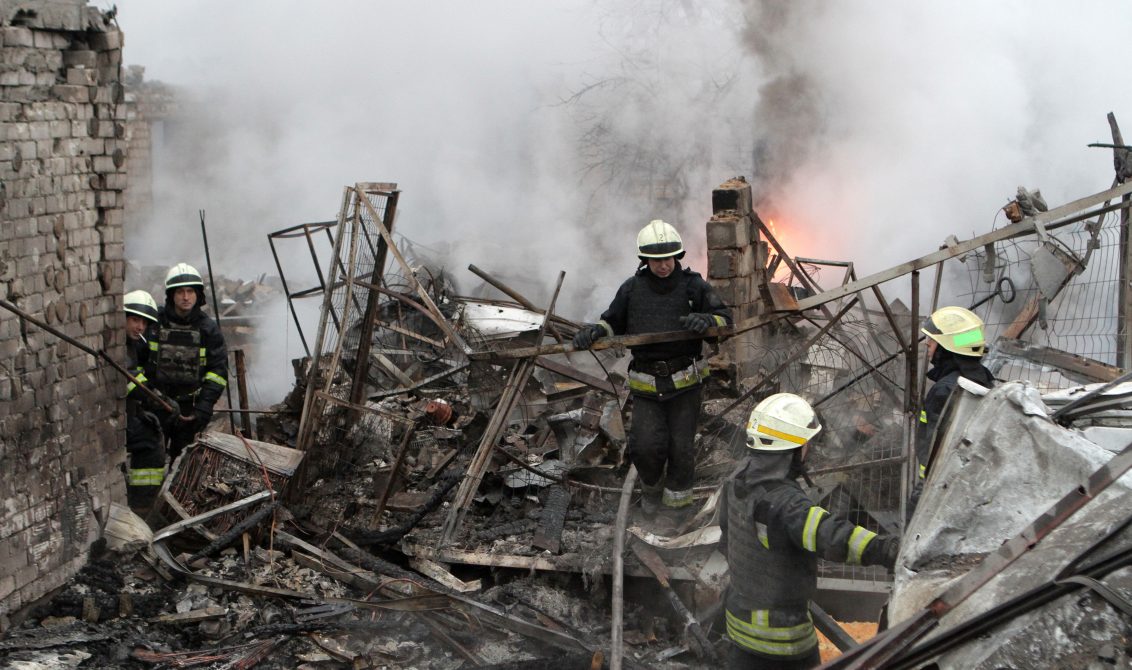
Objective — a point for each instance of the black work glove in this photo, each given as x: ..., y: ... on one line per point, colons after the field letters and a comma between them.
x: 202, y: 416
x: 585, y: 337
x: 698, y: 322
x: 166, y: 415
x: 888, y: 549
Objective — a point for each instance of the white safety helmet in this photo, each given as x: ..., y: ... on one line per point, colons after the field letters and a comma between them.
x: 781, y: 422
x: 141, y: 303
x: 183, y: 274
x: 958, y: 330
x: 659, y: 240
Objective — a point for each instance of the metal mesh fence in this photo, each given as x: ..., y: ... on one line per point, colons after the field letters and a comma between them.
x: 858, y: 455
x: 1073, y: 281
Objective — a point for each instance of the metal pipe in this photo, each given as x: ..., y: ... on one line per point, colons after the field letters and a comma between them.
x: 99, y: 353
x: 287, y: 292
x: 215, y: 308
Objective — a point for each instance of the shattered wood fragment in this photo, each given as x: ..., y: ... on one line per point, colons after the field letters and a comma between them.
x: 383, y: 567
x: 552, y: 520
x: 391, y: 535
x: 438, y: 572
x: 192, y: 616
x: 277, y: 459
x: 571, y: 372
x: 407, y: 501
x: 193, y: 521
x: 520, y: 373
x: 648, y: 556
x: 359, y: 578
x: 499, y: 531
x: 62, y: 636
x: 441, y: 463
x: 230, y: 537
x: 395, y: 472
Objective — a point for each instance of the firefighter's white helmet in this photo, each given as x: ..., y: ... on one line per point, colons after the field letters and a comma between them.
x: 781, y: 422
x: 659, y: 240
x: 183, y: 274
x: 958, y: 330
x: 140, y: 303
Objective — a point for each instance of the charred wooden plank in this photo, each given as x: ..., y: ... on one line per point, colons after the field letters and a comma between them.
x: 553, y: 519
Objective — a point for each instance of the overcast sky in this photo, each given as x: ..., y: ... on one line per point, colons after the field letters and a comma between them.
x: 533, y: 137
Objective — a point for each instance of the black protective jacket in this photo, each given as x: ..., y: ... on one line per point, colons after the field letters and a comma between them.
x: 645, y: 303
x: 947, y: 368
x: 772, y: 536
x: 188, y: 359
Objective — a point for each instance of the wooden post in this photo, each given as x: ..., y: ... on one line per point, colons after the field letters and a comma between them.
x: 373, y: 299
x: 1124, y: 304
x: 242, y: 388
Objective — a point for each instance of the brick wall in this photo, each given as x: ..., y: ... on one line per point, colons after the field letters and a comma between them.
x: 737, y: 260
x: 62, y: 178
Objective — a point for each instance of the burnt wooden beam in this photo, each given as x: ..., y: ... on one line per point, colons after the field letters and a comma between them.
x: 552, y: 520
x: 520, y: 373
x: 1080, y: 368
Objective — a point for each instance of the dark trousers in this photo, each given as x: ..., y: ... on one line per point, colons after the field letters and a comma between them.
x: 181, y: 435
x: 739, y: 658
x: 662, y: 435
x: 146, y: 451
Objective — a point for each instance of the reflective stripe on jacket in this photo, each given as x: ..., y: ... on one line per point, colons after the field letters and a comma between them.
x: 773, y: 535
x: 145, y: 476
x: 642, y: 382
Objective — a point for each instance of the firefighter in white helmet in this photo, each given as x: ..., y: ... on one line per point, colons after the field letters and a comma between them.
x: 665, y: 379
x: 773, y: 535
x: 956, y: 344
x: 189, y: 359
x: 144, y: 417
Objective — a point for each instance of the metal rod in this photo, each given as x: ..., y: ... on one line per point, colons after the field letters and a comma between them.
x: 318, y: 269
x: 215, y: 308
x: 287, y: 292
x: 396, y: 471
x: 719, y: 418
x: 503, y: 288
x: 306, y: 421
x: 99, y: 353
x: 909, y: 472
x: 861, y: 358
x: 891, y: 319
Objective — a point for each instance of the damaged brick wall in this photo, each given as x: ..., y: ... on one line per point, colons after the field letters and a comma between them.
x: 737, y: 260
x: 62, y: 179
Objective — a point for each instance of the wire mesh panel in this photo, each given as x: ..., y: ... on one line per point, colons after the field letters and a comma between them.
x: 1066, y: 296
x: 858, y: 455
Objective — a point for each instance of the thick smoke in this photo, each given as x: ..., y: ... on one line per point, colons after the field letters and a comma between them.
x: 530, y: 138
x: 881, y: 128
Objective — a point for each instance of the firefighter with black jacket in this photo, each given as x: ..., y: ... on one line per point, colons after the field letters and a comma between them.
x: 773, y: 535
x: 665, y: 380
x: 144, y: 431
x: 188, y: 360
x: 956, y: 345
